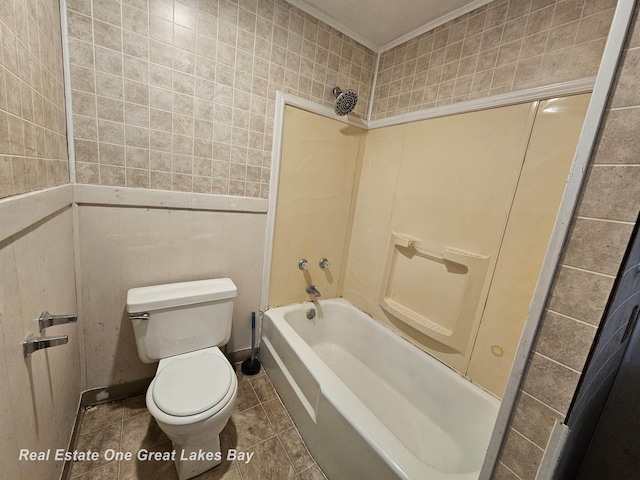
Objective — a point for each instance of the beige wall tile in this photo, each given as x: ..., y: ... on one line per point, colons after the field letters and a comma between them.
x: 596, y: 6
x: 108, y: 61
x: 137, y: 178
x: 618, y: 142
x: 597, y: 245
x: 106, y: 35
x: 503, y: 33
x: 587, y: 55
x: 562, y: 36
x: 6, y: 177
x: 111, y: 154
x: 550, y: 382
x: 594, y: 26
x: 564, y: 340
x: 580, y: 294
x: 137, y: 158
x: 114, y: 176
x: 32, y: 111
x: 534, y: 419
x: 567, y: 11
x: 177, y: 57
x: 503, y: 473
x: 618, y: 184
x: 521, y: 455
x: 87, y: 173
x: 626, y: 94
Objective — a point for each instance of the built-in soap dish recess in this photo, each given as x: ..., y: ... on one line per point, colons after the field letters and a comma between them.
x: 438, y: 293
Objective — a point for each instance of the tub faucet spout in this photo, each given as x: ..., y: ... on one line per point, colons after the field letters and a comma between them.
x: 312, y: 290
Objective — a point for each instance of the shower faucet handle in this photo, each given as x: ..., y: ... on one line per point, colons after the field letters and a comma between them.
x: 303, y: 264
x: 324, y: 263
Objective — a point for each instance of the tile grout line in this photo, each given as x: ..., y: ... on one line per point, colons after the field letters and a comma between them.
x: 569, y: 317
x: 606, y: 220
x: 542, y: 403
x: 511, y: 471
x: 612, y: 277
x: 557, y: 362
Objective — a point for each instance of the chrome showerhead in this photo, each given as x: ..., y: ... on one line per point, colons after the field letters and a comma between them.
x: 345, y: 100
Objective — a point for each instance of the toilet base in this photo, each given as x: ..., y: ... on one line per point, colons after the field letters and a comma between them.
x: 201, y: 455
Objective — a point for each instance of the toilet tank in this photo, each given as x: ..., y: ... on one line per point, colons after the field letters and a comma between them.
x: 182, y: 317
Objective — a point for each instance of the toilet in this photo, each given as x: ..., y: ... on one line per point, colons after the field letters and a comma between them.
x: 181, y: 326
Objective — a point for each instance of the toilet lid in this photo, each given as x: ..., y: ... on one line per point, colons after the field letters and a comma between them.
x: 191, y: 385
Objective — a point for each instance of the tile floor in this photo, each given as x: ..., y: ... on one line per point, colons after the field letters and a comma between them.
x: 259, y: 424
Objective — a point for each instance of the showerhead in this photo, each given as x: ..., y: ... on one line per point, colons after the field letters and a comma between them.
x: 345, y: 100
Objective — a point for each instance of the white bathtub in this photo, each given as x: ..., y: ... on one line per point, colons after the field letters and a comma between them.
x: 368, y: 403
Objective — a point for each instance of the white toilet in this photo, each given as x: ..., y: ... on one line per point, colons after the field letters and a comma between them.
x: 181, y: 325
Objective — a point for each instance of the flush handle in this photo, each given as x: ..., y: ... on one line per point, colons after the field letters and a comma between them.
x: 139, y: 316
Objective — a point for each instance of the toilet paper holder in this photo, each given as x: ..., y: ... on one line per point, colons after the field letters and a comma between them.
x: 33, y: 343
x: 47, y: 320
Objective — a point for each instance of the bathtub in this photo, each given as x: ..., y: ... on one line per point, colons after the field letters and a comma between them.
x: 368, y: 403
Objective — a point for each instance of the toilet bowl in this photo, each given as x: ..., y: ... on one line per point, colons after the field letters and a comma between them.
x: 194, y: 389
x: 191, y: 398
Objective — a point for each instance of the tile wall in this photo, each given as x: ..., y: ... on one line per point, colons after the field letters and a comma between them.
x: 180, y: 95
x: 599, y: 235
x: 611, y: 351
x: 33, y: 139
x: 501, y: 47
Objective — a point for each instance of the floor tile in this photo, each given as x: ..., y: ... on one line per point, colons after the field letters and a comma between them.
x: 263, y: 388
x: 133, y: 406
x: 224, y: 471
x: 243, y: 378
x: 150, y: 469
x: 106, y: 472
x: 246, y: 397
x: 100, y: 416
x: 227, y: 470
x: 295, y: 448
x: 97, y: 441
x: 312, y: 473
x: 260, y: 424
x: 141, y: 431
x: 270, y: 462
x: 249, y: 427
x: 278, y: 415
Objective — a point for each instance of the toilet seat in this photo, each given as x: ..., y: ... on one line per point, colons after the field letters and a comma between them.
x: 192, y: 385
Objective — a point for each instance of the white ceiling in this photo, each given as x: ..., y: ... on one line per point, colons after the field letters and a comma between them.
x: 383, y: 24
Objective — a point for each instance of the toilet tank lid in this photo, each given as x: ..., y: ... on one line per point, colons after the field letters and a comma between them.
x: 157, y: 297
